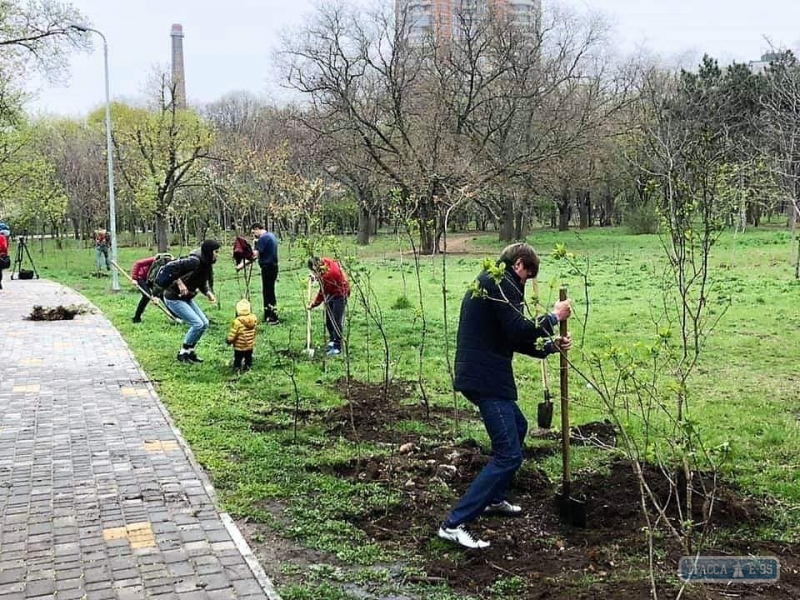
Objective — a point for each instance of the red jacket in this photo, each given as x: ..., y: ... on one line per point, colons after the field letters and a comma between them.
x: 3, y: 244
x: 141, y: 267
x: 334, y: 282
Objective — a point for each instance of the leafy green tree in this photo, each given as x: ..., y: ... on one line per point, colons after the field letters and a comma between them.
x: 160, y: 151
x: 33, y: 197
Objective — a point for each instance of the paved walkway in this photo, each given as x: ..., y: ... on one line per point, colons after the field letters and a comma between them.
x: 100, y: 497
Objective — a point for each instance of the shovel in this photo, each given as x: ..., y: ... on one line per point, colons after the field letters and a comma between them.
x: 570, y: 508
x: 544, y: 414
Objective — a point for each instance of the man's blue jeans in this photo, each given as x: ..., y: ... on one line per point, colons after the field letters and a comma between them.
x: 507, y: 427
x: 101, y: 256
x: 188, y: 312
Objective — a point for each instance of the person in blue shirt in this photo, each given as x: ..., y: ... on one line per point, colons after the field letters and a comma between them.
x: 265, y: 249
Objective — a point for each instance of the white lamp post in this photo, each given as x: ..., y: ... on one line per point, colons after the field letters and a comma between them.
x: 112, y: 208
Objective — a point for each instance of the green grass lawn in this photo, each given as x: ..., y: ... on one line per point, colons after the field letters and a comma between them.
x: 744, y: 392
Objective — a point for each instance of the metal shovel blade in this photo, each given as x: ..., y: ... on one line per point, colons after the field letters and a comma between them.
x: 544, y: 413
x: 571, y: 508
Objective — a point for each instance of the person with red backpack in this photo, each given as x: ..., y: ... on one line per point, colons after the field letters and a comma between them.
x: 334, y: 290
x: 143, y: 274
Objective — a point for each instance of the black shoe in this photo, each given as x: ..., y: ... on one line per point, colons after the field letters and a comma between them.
x: 193, y: 357
x: 137, y: 319
x: 184, y: 357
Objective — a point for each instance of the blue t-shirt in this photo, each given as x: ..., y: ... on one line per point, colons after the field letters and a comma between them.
x: 267, y: 247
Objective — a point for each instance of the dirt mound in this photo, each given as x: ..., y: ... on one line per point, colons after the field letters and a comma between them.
x: 59, y: 313
x: 373, y: 412
x: 601, y: 434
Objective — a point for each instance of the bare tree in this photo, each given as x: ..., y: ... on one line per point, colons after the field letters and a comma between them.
x: 781, y: 129
x: 159, y: 152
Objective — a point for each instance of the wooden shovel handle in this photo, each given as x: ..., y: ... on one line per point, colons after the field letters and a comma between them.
x: 545, y: 383
x: 308, y: 314
x: 562, y: 295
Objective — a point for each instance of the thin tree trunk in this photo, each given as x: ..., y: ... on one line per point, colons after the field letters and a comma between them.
x: 364, y: 221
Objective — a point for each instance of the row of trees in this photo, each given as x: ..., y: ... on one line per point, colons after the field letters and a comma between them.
x: 493, y: 124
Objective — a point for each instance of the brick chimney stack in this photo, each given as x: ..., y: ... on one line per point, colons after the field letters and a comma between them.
x: 178, y: 75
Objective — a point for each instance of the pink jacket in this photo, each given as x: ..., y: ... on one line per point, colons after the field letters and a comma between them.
x: 141, y: 267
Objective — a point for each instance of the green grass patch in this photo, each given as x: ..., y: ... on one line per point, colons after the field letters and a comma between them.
x: 265, y: 436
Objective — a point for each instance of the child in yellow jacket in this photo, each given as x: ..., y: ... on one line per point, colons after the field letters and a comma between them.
x: 243, y: 336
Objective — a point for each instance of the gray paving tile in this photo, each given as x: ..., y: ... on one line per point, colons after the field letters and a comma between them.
x: 87, y: 509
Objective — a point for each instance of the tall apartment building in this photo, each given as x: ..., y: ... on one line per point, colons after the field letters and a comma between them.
x: 440, y: 17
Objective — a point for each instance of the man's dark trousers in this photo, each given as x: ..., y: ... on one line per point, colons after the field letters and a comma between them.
x: 334, y: 318
x: 147, y: 292
x: 269, y: 274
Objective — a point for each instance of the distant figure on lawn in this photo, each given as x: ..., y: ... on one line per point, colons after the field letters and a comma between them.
x: 242, y: 336
x: 181, y: 279
x: 491, y: 329
x: 102, y: 241
x: 334, y: 290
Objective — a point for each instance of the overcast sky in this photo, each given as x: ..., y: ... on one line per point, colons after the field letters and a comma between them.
x: 228, y: 44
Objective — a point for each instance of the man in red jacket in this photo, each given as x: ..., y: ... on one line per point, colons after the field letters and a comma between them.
x: 334, y: 290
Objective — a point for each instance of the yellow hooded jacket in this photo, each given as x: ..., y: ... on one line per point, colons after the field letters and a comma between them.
x: 243, y: 329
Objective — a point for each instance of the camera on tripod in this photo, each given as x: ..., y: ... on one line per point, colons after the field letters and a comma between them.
x: 23, y: 252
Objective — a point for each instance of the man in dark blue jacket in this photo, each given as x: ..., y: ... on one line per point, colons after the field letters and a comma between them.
x: 266, y: 250
x: 492, y: 327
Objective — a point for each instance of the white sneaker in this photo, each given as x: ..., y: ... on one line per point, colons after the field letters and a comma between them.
x: 462, y: 537
x: 504, y: 508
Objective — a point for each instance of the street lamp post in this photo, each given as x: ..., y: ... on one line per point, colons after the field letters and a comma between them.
x: 112, y: 205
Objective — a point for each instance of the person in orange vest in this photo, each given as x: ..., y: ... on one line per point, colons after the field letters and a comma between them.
x: 334, y: 289
x: 102, y: 241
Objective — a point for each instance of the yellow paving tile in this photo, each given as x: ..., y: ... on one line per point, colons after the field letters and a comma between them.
x: 62, y: 345
x: 139, y: 535
x: 114, y: 533
x: 128, y: 391
x: 26, y: 388
x: 160, y: 446
x: 152, y: 445
x: 31, y: 362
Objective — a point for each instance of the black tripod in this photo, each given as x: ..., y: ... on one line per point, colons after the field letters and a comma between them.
x: 22, y: 247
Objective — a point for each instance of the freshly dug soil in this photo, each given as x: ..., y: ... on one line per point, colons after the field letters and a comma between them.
x: 606, y: 560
